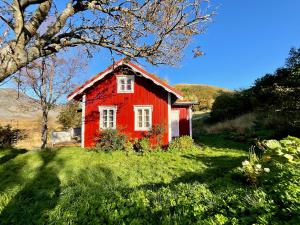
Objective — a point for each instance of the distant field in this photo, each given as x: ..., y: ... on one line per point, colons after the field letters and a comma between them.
x: 32, y: 128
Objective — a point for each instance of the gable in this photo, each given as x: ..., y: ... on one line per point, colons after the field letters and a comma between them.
x: 135, y: 68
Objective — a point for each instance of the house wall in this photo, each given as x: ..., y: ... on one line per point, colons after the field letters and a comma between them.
x: 104, y: 93
x: 184, y: 119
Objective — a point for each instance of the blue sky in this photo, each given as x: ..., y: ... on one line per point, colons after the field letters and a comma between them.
x: 247, y: 39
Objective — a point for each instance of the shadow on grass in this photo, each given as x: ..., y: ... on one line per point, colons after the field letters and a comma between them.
x: 13, y: 153
x: 37, y: 196
x: 219, y: 141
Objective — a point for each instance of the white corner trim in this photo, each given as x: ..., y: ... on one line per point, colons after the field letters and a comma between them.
x: 169, y: 119
x: 190, y: 117
x: 83, y: 120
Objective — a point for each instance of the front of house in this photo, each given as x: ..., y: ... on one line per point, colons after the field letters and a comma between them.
x: 128, y: 98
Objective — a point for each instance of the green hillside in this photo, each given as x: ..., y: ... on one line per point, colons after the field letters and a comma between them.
x: 204, y: 94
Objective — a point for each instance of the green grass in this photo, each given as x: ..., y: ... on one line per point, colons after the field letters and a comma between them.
x: 76, y: 186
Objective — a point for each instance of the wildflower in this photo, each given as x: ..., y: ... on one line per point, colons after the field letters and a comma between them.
x: 245, y: 163
x: 258, y: 166
x: 289, y: 157
x: 267, y: 170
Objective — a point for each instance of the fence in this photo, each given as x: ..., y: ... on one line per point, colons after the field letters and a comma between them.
x: 65, y: 136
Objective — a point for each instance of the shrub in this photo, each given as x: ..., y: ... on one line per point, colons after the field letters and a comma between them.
x: 9, y: 136
x: 253, y: 168
x: 142, y: 145
x: 156, y: 133
x: 182, y: 143
x: 110, y: 140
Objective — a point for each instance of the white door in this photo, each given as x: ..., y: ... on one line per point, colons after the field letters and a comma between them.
x: 175, y: 123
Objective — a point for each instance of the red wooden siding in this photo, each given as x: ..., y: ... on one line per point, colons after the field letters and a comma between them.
x: 184, y: 119
x: 104, y: 93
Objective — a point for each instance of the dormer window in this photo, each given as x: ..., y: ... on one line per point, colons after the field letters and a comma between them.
x: 125, y: 84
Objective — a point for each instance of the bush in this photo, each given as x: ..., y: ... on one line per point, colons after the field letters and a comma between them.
x: 156, y: 134
x: 9, y: 136
x: 110, y: 140
x: 142, y: 145
x: 182, y: 143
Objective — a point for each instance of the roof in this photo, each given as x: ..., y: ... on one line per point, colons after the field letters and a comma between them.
x: 135, y: 68
x: 186, y: 101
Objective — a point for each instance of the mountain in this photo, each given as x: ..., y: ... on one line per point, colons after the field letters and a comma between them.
x: 14, y: 106
x: 204, y: 94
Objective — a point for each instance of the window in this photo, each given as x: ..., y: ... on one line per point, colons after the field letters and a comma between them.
x: 142, y: 118
x: 107, y: 117
x: 125, y: 83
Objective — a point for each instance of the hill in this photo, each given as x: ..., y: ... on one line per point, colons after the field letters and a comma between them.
x: 14, y: 105
x: 204, y: 94
x: 21, y: 111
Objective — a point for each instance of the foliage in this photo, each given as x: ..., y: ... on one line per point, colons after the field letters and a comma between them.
x: 74, y: 186
x: 275, y: 98
x: 110, y: 140
x: 69, y: 116
x: 205, y: 95
x: 230, y: 105
x: 142, y: 145
x: 156, y: 133
x: 285, y: 150
x: 182, y: 143
x: 36, y: 29
x: 253, y: 168
x: 10, y: 136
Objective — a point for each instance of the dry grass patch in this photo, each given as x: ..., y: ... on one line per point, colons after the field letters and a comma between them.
x: 240, y: 124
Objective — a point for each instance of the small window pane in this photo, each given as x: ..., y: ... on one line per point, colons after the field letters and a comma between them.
x: 128, y: 84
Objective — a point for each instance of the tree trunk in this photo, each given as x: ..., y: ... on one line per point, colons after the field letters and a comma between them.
x: 44, y: 137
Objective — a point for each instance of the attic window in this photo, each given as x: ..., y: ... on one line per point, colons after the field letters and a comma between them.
x: 125, y: 84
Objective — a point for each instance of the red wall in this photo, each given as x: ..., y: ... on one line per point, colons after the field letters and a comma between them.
x: 105, y: 93
x: 184, y: 119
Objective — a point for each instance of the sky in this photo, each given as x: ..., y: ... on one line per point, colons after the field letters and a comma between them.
x: 247, y: 39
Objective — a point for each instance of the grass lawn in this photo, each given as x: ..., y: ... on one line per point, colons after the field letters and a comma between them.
x: 75, y: 186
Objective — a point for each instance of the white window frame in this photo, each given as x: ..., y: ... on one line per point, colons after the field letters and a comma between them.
x: 101, y: 109
x: 142, y: 107
x: 125, y: 77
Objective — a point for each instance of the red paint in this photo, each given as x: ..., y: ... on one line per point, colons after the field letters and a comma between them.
x: 105, y: 93
x: 101, y: 90
x: 184, y: 119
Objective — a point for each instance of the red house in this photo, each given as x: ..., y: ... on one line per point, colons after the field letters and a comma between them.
x: 126, y: 97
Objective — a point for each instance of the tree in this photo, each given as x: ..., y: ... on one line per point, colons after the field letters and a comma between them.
x: 155, y: 30
x: 47, y: 80
x: 69, y: 116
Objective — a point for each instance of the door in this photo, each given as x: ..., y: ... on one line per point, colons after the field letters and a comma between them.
x: 175, y: 123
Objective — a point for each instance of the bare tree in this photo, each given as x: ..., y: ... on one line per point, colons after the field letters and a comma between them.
x: 157, y: 30
x: 47, y: 80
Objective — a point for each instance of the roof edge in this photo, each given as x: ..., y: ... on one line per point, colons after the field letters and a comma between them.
x: 134, y: 67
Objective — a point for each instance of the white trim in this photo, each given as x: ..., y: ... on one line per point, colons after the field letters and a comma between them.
x: 83, y: 120
x: 169, y: 119
x: 142, y: 107
x: 185, y: 103
x: 178, y: 113
x: 190, y: 122
x: 154, y: 81
x: 107, y: 107
x: 111, y: 70
x: 119, y: 77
